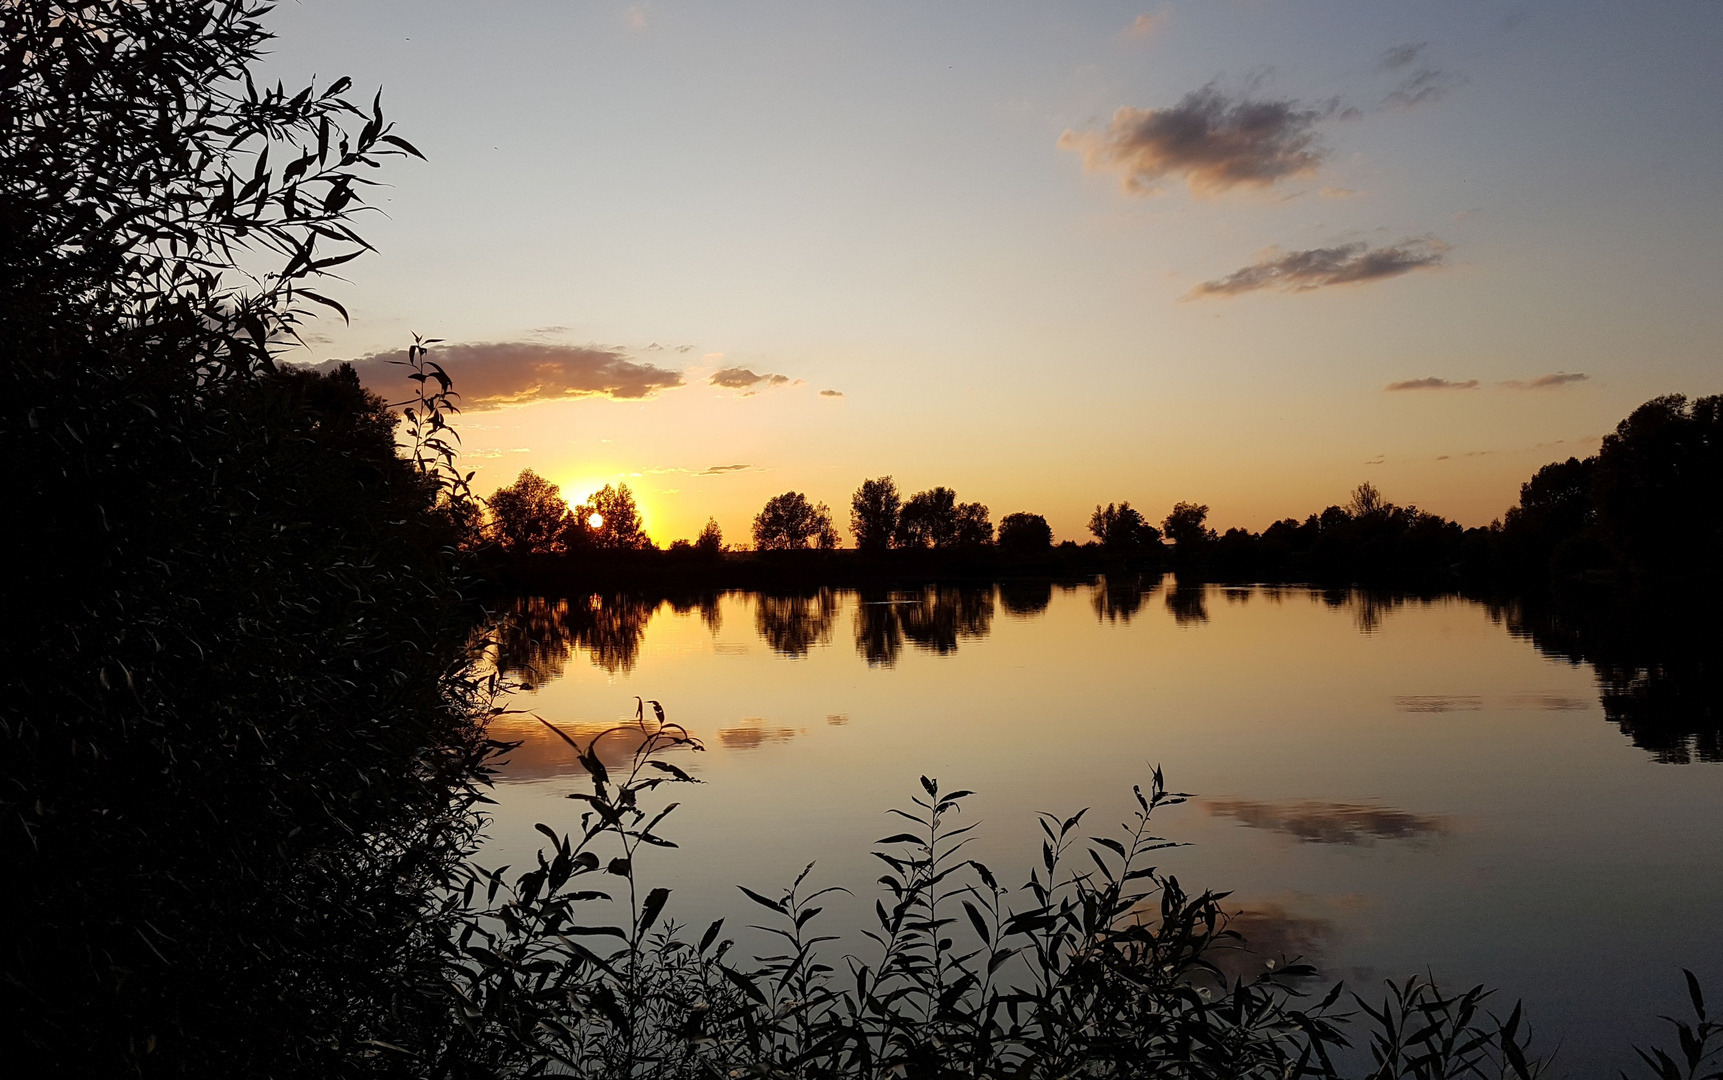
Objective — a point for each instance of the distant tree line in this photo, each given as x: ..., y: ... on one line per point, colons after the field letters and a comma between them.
x: 1645, y: 512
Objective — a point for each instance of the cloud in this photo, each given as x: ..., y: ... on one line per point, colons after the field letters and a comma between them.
x: 720, y: 470
x: 490, y: 375
x: 832, y: 393
x: 1313, y: 822
x: 1339, y: 193
x: 1432, y: 383
x: 1147, y: 25
x: 1425, y: 84
x: 1548, y: 382
x: 1346, y: 264
x: 740, y: 378
x: 1399, y: 56
x: 1213, y: 141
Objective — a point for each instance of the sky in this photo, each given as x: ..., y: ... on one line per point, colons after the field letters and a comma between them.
x: 1248, y: 253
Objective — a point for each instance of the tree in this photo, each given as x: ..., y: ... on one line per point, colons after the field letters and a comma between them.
x: 1122, y: 528
x: 1185, y: 528
x: 873, y: 514
x: 928, y: 519
x: 1024, y: 533
x: 611, y: 520
x: 789, y: 522
x: 1366, y: 500
x: 231, y: 756
x: 710, y: 542
x: 529, y: 515
x: 974, y: 527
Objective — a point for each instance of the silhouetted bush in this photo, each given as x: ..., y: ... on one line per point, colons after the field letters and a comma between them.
x: 1024, y: 534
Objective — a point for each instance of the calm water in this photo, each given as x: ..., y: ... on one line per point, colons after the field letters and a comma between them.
x: 1384, y: 788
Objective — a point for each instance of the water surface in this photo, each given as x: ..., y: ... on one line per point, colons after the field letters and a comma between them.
x: 1385, y: 787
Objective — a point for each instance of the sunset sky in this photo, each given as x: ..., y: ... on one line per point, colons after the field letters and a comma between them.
x: 1241, y: 252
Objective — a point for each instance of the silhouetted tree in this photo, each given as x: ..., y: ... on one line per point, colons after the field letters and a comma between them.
x: 230, y: 764
x: 618, y: 525
x: 710, y: 542
x: 1121, y: 528
x: 974, y: 529
x: 873, y: 514
x: 789, y: 522
x: 928, y: 519
x: 1658, y: 493
x: 1366, y: 500
x: 1025, y: 533
x: 1184, y: 527
x: 529, y: 515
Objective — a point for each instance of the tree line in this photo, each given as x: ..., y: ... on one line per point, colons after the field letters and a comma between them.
x: 1644, y: 512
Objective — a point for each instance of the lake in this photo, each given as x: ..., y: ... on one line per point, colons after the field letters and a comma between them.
x: 1384, y: 786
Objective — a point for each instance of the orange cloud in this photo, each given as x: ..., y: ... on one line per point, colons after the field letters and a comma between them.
x: 490, y: 375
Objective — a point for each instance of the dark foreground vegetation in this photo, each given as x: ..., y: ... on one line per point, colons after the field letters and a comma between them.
x: 242, y: 734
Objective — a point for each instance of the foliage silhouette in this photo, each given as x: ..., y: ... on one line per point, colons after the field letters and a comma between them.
x: 529, y: 516
x: 1024, y: 534
x: 1099, y: 966
x: 237, y: 739
x: 1185, y: 527
x: 1122, y: 529
x: 789, y: 522
x: 619, y: 526
x: 873, y: 514
x: 710, y: 542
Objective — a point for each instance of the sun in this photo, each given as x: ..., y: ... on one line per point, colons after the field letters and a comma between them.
x: 595, y: 521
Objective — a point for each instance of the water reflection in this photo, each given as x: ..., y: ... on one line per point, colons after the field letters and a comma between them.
x: 1188, y: 604
x: 1275, y: 933
x: 1659, y: 674
x: 1119, y: 598
x: 793, y: 625
x: 1658, y: 681
x: 1314, y: 822
x: 938, y: 617
x: 752, y: 732
x: 933, y: 619
x: 1025, y: 598
x: 537, y: 636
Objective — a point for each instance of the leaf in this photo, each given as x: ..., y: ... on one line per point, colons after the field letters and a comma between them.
x: 396, y: 140
x: 710, y: 935
x: 775, y: 905
x: 649, y: 911
x: 325, y: 301
x: 978, y: 922
x: 745, y: 984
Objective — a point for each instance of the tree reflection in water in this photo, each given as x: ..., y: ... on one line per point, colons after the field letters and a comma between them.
x: 793, y: 625
x: 537, y: 635
x: 1659, y: 675
x: 1188, y: 603
x: 1025, y: 598
x: 1658, y: 678
x: 934, y: 619
x: 1118, y: 598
